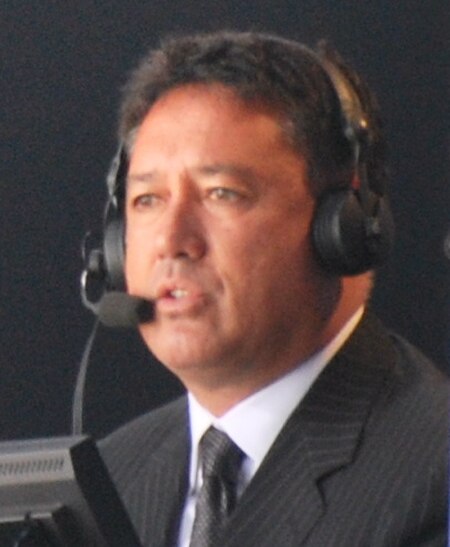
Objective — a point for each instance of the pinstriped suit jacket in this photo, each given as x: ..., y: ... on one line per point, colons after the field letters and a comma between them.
x: 360, y: 463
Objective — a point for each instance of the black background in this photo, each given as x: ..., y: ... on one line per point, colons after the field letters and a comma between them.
x: 62, y: 65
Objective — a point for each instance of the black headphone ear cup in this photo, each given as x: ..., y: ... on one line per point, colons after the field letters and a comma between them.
x: 345, y: 239
x: 114, y: 256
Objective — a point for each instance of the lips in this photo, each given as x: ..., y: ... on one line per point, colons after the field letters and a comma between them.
x: 181, y: 298
x: 178, y: 293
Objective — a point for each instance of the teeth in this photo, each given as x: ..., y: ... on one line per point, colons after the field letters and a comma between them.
x: 178, y: 293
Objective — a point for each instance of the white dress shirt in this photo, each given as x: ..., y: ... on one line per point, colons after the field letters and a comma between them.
x: 254, y: 423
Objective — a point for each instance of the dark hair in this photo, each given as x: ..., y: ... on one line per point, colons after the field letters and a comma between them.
x: 283, y: 75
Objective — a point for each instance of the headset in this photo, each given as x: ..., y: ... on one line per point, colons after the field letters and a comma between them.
x: 103, y: 272
x: 352, y: 229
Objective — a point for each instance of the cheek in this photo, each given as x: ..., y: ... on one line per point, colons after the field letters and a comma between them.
x: 136, y: 258
x: 259, y: 263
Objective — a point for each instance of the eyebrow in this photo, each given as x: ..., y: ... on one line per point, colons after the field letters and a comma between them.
x: 241, y: 172
x: 141, y: 177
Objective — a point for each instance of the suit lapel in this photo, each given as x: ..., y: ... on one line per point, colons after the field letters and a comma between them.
x: 284, y: 500
x: 156, y: 492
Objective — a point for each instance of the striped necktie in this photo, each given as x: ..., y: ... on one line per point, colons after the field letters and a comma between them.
x: 221, y: 460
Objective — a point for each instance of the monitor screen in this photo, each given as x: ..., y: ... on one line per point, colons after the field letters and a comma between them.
x: 57, y: 492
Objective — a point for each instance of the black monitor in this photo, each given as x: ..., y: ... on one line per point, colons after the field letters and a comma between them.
x: 57, y: 492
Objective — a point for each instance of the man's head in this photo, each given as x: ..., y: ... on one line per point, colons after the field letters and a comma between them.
x: 284, y: 75
x: 231, y: 138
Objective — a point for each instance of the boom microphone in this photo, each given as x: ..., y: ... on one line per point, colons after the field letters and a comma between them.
x: 119, y: 309
x: 113, y: 308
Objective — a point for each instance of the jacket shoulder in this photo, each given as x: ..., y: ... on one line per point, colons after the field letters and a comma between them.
x: 144, y: 436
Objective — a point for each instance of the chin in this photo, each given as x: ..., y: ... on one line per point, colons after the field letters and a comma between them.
x: 179, y: 352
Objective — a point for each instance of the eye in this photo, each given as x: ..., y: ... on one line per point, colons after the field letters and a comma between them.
x: 144, y: 201
x: 224, y: 194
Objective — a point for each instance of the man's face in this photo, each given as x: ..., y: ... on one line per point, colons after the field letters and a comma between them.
x: 218, y: 213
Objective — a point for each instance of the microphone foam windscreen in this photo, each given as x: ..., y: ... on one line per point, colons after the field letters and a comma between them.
x: 119, y: 309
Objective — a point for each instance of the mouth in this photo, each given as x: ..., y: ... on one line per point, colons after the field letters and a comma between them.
x: 177, y: 294
x: 180, y: 300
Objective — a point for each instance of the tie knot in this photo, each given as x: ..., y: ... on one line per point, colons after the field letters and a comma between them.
x: 220, y: 455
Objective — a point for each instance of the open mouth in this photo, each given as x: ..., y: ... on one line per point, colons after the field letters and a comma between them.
x: 180, y: 300
x: 178, y: 293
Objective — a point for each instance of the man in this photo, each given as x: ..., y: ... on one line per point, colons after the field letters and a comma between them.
x: 236, y: 144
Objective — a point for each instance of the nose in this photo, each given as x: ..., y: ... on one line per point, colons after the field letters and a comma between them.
x: 180, y: 232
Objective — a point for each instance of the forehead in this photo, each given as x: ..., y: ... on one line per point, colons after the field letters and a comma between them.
x: 217, y: 93
x: 211, y: 115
